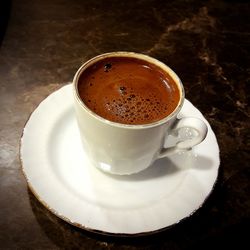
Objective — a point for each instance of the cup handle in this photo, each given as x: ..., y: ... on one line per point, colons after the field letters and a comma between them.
x: 191, y: 123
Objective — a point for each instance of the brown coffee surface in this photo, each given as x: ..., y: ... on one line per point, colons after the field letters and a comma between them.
x: 128, y: 90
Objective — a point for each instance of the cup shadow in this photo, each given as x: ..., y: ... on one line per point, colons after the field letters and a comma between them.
x: 168, y: 166
x: 158, y: 169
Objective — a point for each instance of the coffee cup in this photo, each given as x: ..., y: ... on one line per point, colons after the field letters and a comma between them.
x: 126, y: 107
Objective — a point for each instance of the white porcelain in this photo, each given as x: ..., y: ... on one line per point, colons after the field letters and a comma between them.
x: 127, y: 149
x: 60, y: 175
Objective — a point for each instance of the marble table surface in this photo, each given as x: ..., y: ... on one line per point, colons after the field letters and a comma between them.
x: 207, y: 43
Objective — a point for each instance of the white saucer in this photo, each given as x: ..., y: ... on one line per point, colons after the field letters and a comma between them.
x: 60, y: 176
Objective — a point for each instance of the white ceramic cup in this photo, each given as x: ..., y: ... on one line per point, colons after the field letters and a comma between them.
x: 126, y: 149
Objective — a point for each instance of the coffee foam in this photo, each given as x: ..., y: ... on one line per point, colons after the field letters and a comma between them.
x: 128, y: 91
x: 131, y: 108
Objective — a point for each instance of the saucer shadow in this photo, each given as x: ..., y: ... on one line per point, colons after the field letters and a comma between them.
x: 62, y: 234
x: 66, y: 236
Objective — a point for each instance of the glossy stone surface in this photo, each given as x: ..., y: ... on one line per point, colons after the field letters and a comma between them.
x: 207, y: 43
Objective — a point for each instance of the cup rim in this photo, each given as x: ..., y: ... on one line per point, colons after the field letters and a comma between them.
x: 141, y: 56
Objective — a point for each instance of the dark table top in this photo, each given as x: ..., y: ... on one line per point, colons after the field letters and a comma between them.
x: 207, y: 43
